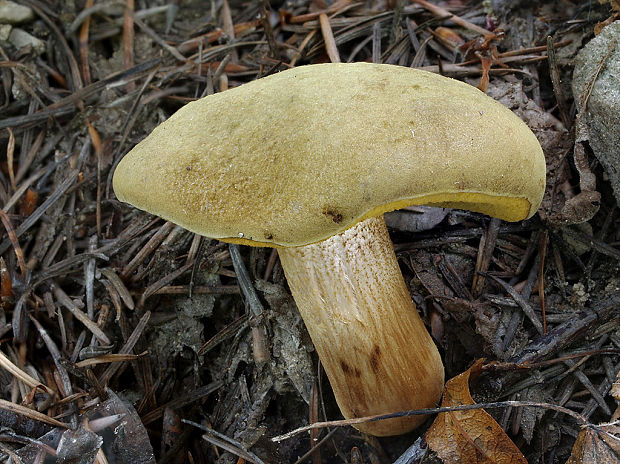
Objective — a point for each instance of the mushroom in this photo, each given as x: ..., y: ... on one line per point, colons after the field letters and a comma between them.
x: 308, y: 160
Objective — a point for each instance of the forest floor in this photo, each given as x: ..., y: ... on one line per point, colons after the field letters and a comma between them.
x: 117, y: 327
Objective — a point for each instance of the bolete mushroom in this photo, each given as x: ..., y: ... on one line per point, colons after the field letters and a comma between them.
x: 308, y: 160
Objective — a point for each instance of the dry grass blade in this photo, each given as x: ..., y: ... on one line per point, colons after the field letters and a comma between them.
x: 68, y: 104
x: 485, y: 252
x: 6, y: 221
x: 150, y: 246
x: 64, y: 300
x: 128, y: 38
x: 227, y: 443
x: 442, y: 13
x: 189, y: 398
x: 423, y: 412
x: 163, y: 282
x: 23, y: 187
x: 211, y: 37
x: 333, y: 8
x: 21, y: 375
x: 227, y: 332
x: 260, y: 345
x: 10, y: 150
x: 83, y: 41
x: 328, y: 37
x: 34, y: 217
x: 557, y: 85
x: 108, y: 358
x: 30, y: 413
x: 120, y: 286
x: 314, y: 417
x: 315, y: 449
x: 127, y: 347
x: 151, y: 33
x: 64, y: 382
x: 198, y: 290
x: 525, y: 306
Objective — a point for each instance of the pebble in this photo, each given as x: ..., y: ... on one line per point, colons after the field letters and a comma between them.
x: 14, y: 13
x: 20, y: 39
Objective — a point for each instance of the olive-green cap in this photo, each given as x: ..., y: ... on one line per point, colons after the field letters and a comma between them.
x: 304, y: 154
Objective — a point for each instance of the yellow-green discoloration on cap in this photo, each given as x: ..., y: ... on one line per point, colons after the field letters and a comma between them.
x: 302, y: 155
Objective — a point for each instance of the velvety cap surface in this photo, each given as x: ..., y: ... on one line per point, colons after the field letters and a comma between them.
x: 304, y: 154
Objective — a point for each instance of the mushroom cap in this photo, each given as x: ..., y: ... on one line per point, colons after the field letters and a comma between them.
x: 302, y: 155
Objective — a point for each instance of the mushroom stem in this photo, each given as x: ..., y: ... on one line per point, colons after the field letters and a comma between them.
x: 377, y: 354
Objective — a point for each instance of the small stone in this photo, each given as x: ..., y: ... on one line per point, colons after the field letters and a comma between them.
x: 20, y: 39
x: 602, y: 115
x: 5, y: 31
x: 415, y: 219
x: 14, y: 13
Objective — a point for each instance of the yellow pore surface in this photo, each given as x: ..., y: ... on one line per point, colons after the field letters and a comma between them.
x: 304, y: 154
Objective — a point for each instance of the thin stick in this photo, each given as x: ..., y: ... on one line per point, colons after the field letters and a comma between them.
x: 421, y: 412
x: 10, y: 230
x: 34, y: 217
x: 312, y: 452
x: 310, y: 16
x: 83, y: 45
x: 153, y: 35
x: 64, y: 300
x: 328, y: 37
x: 225, y: 442
x: 260, y: 347
x: 31, y: 413
x: 128, y: 40
x: 525, y: 306
x: 126, y: 348
x: 7, y: 364
x: 376, y: 42
x: 442, y: 12
x: 10, y: 150
x: 541, y: 279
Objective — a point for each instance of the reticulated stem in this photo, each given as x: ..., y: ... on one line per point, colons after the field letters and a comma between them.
x: 377, y: 354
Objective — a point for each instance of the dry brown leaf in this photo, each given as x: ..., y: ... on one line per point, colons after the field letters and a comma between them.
x: 6, y: 287
x: 29, y: 203
x: 597, y: 444
x: 469, y: 436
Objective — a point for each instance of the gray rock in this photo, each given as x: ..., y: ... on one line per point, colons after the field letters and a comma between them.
x: 602, y: 114
x: 13, y: 13
x: 415, y: 218
x: 20, y: 39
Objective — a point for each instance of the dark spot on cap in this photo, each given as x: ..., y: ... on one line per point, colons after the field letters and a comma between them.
x: 333, y: 214
x: 375, y: 358
x: 189, y: 168
x: 268, y: 236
